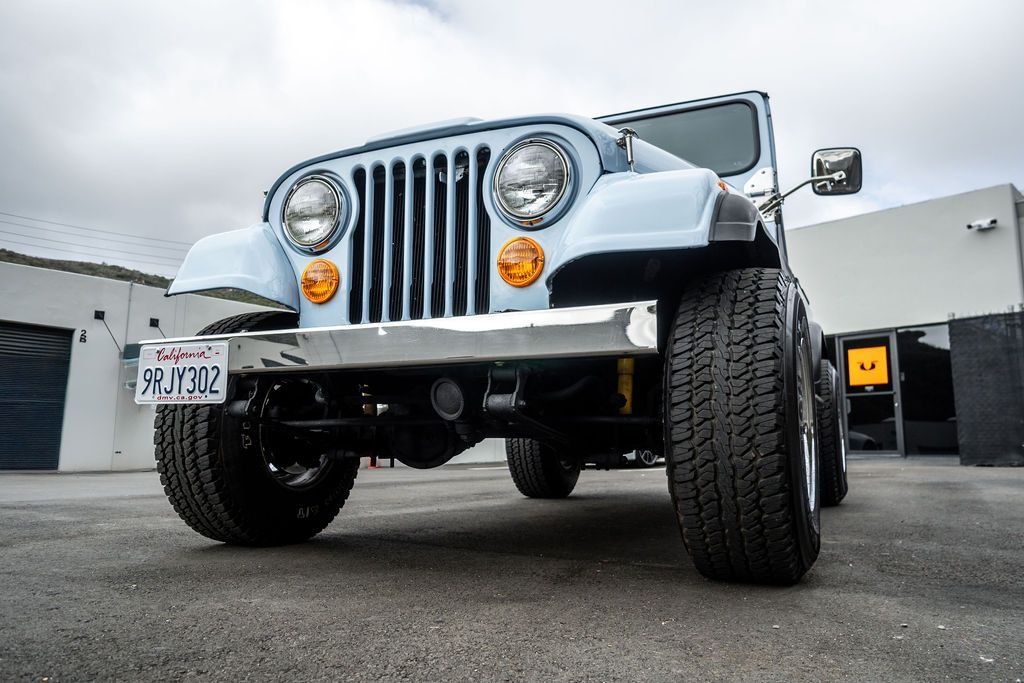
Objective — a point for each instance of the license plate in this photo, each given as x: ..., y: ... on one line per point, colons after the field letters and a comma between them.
x: 183, y: 373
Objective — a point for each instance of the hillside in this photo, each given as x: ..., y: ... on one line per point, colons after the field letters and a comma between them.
x: 125, y: 275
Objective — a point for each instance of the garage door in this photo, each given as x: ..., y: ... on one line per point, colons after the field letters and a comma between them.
x: 33, y: 379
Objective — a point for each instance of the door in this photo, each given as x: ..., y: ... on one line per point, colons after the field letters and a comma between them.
x: 34, y: 364
x: 927, y: 399
x: 873, y: 417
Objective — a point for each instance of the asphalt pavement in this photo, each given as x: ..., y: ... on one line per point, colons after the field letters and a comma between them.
x: 449, y: 575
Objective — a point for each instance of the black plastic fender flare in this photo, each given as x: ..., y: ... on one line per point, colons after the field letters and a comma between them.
x: 818, y: 348
x: 735, y: 219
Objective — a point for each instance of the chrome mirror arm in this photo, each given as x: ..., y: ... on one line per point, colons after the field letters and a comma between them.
x: 774, y: 203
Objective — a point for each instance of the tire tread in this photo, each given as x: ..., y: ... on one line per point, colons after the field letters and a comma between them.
x: 536, y: 471
x: 726, y: 427
x: 834, y: 484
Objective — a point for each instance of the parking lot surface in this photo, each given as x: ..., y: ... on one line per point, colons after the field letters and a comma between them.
x: 449, y: 574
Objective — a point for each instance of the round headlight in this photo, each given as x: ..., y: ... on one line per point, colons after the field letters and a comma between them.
x: 531, y: 179
x: 312, y: 211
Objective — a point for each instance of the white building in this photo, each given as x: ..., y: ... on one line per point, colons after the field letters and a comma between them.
x: 63, y: 400
x: 916, y: 264
x: 925, y: 305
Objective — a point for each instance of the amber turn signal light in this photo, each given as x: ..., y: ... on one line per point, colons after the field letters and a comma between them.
x: 320, y: 281
x: 520, y: 262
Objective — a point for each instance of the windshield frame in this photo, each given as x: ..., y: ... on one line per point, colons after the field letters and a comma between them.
x: 624, y: 119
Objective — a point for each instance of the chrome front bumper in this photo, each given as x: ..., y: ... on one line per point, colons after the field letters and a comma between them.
x: 582, y: 332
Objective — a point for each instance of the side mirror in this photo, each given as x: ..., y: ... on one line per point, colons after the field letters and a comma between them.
x: 827, y: 162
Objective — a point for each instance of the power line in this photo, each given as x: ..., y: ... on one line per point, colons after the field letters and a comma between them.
x: 80, y: 255
x: 82, y: 227
x: 103, y: 250
x: 77, y: 253
x: 76, y: 234
x: 175, y: 261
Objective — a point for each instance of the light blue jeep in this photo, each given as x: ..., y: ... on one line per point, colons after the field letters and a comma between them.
x: 579, y: 288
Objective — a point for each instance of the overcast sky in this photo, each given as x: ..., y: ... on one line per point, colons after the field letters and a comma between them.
x: 168, y: 120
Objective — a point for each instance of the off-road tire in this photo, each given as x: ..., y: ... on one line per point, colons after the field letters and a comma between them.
x: 538, y: 471
x: 831, y: 440
x: 733, y: 432
x: 216, y: 479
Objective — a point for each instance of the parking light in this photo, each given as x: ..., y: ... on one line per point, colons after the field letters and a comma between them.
x: 520, y: 262
x: 320, y: 281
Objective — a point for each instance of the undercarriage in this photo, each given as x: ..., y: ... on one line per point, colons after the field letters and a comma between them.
x: 591, y: 410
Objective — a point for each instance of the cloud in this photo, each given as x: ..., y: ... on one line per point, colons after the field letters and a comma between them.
x: 169, y: 119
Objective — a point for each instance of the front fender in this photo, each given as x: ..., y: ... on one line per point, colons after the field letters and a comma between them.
x: 641, y: 212
x: 819, y: 349
x: 250, y: 260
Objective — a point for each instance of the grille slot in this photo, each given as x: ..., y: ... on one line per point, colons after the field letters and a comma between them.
x: 355, y: 266
x: 481, y: 250
x: 397, y: 276
x: 459, y: 290
x: 419, y: 238
x: 421, y: 243
x: 376, y: 242
x: 437, y: 242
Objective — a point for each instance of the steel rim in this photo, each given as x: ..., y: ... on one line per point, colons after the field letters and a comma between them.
x: 808, y: 437
x: 297, y: 476
x: 285, y: 470
x: 647, y: 457
x: 842, y: 437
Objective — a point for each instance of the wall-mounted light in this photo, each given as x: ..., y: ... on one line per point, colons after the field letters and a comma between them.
x: 101, y: 316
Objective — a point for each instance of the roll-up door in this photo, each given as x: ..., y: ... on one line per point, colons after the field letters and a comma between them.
x: 34, y: 365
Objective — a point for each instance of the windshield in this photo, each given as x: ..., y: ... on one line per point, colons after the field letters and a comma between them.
x: 721, y: 137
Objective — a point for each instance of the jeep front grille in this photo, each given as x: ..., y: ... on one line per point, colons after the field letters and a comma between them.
x: 424, y: 258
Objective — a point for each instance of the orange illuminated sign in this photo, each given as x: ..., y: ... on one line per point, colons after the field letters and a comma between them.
x: 868, y: 366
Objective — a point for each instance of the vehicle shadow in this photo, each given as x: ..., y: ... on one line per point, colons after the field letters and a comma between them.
x: 624, y: 527
x: 635, y: 528
x: 610, y: 528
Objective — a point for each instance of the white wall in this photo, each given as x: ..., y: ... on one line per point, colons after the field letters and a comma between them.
x: 914, y: 264
x: 103, y: 428
x: 487, y: 451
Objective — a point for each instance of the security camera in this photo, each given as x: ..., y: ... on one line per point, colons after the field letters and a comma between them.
x: 985, y: 224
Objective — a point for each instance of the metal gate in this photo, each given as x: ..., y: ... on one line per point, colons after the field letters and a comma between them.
x: 34, y: 365
x: 988, y: 376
